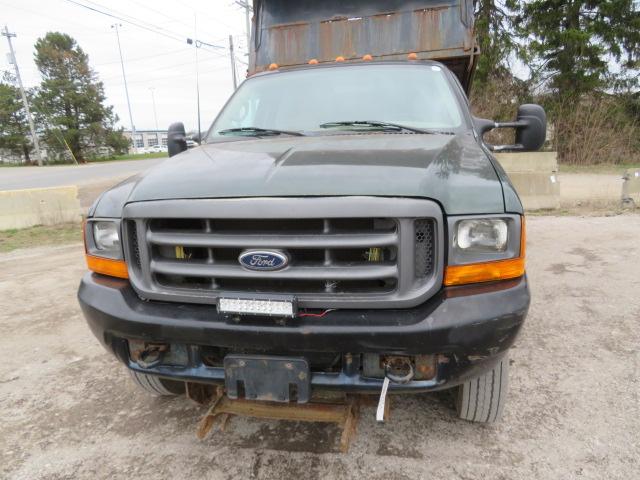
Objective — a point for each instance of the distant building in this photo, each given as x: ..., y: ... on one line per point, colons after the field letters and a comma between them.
x: 148, y: 138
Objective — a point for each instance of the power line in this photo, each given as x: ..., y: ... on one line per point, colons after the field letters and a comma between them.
x: 166, y: 67
x: 133, y: 21
x: 126, y: 90
x: 146, y: 57
x: 172, y: 77
x: 153, y: 29
x: 58, y: 20
x: 217, y: 20
x: 162, y: 14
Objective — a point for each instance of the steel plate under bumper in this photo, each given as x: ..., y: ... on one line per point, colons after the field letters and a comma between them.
x: 267, y: 378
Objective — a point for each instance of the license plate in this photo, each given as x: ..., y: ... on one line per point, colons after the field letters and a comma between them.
x: 267, y: 378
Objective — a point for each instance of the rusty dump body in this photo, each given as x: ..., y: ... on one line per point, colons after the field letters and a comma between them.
x: 292, y: 32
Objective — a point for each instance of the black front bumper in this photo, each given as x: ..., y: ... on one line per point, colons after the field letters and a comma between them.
x: 469, y: 327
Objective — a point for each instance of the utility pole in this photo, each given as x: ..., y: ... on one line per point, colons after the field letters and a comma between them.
x: 32, y: 127
x: 247, y: 18
x: 126, y: 90
x: 155, y: 114
x: 233, y: 62
x: 199, y: 44
x: 195, y: 31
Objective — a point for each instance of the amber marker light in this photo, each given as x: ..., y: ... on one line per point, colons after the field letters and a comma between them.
x: 488, y: 271
x: 313, y: 61
x: 107, y: 266
x: 273, y: 66
x: 340, y: 59
x: 367, y: 58
x: 412, y: 56
x: 102, y: 265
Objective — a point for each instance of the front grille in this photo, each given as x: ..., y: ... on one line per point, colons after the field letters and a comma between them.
x: 337, y: 260
x: 325, y: 255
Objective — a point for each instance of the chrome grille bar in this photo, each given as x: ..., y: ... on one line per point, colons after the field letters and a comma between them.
x: 333, y: 240
x: 344, y: 252
x: 333, y: 272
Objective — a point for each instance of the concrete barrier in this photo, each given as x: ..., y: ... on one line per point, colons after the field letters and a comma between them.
x: 631, y: 188
x: 598, y: 190
x: 535, y: 177
x: 39, y: 206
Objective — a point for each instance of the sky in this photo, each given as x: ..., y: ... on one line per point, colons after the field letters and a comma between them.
x: 161, y: 61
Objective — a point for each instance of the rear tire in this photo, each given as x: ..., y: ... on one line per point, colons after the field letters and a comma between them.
x: 156, y: 386
x: 482, y: 399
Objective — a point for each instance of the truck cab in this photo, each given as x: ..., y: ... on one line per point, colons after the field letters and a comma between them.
x: 342, y: 226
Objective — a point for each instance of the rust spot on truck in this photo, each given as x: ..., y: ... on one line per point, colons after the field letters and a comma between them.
x: 293, y: 35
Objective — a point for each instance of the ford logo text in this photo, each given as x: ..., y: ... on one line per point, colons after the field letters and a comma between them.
x: 263, y: 260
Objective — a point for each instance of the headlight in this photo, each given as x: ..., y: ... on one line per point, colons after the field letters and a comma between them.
x: 104, y: 248
x: 106, y: 236
x: 483, y: 249
x: 482, y: 235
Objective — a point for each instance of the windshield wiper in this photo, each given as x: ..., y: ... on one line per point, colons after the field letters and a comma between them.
x: 381, y: 125
x: 259, y: 132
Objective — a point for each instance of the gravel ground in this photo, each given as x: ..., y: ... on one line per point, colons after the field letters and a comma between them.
x: 68, y: 410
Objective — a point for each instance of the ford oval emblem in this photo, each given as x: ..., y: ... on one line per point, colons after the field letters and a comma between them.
x: 263, y: 260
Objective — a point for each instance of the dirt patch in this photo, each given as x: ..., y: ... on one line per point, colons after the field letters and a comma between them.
x: 69, y: 409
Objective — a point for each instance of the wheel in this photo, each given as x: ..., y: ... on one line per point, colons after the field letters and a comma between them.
x: 482, y: 399
x: 157, y: 386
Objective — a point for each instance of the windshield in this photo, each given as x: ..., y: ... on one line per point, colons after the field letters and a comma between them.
x: 307, y: 100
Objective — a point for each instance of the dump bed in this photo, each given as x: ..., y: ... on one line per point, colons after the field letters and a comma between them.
x: 291, y: 32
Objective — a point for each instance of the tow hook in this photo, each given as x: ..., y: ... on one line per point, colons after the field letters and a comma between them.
x: 150, y: 355
x: 399, y: 370
x: 396, y: 370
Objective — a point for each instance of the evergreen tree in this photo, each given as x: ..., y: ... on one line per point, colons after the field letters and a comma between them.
x: 572, y: 45
x: 495, y: 40
x: 14, y: 129
x: 71, y: 99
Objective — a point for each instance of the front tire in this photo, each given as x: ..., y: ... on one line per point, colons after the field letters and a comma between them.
x: 156, y: 386
x: 482, y: 399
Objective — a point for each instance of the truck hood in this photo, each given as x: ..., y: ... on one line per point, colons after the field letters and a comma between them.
x: 451, y: 169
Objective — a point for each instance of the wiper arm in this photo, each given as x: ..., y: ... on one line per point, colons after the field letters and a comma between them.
x: 258, y: 132
x: 382, y: 125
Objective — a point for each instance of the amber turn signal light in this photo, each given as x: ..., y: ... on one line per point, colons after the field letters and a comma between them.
x: 489, y: 271
x: 484, y: 272
x: 107, y: 266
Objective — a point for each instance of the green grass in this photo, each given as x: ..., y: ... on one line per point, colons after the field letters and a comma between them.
x: 9, y: 165
x: 136, y: 156
x: 602, y: 168
x: 39, y: 236
x: 133, y: 156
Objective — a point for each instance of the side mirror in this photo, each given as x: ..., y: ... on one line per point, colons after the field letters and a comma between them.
x: 176, y: 139
x: 531, y: 129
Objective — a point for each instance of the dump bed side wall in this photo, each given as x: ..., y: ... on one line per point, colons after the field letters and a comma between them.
x: 291, y: 32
